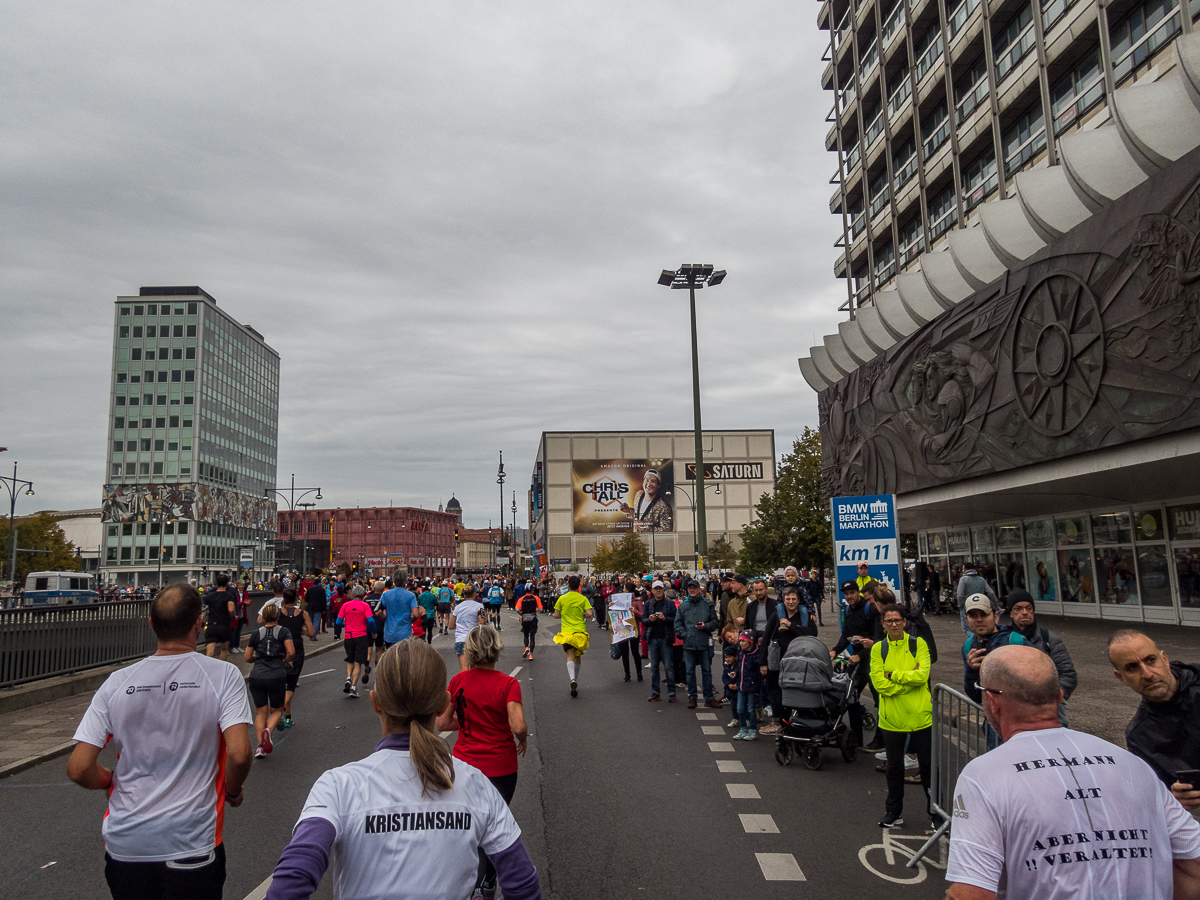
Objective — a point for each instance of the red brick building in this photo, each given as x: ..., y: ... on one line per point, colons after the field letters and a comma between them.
x: 379, y: 539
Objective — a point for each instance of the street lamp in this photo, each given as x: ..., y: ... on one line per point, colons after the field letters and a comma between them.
x: 14, y: 485
x: 156, y: 517
x: 500, y: 481
x: 700, y: 494
x: 512, y: 536
x: 304, y: 541
x: 288, y: 494
x: 694, y: 277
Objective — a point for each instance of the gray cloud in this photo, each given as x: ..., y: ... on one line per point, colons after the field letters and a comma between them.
x: 447, y: 218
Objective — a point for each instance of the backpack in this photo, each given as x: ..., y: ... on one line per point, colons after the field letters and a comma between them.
x: 912, y: 648
x: 269, y: 645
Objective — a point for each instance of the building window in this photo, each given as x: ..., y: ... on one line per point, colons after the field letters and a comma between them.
x: 325, y: 527
x: 176, y: 376
x: 135, y: 353
x: 928, y: 49
x: 158, y: 468
x: 957, y: 17
x: 904, y: 163
x: 174, y: 421
x: 120, y: 378
x: 139, y: 554
x: 177, y: 331
x: 158, y: 445
x: 112, y: 554
x: 970, y: 90
x: 181, y: 528
x: 874, y: 119
x: 312, y: 527
x: 191, y: 353
x: 126, y: 553
x: 124, y: 310
x: 866, y: 62
x: 118, y: 446
x: 283, y: 526
x: 1011, y: 45
x: 191, y: 309
x: 1024, y: 139
x: 885, y: 264
x: 980, y: 178
x: 1076, y: 92
x: 144, y: 468
x: 943, y: 213
x: 123, y: 332
x: 116, y: 469
x: 119, y: 422
x: 190, y: 375
x: 1053, y: 11
x: 935, y: 129
x: 1141, y: 33
x: 137, y: 310
x: 912, y: 240
x: 879, y: 192
x: 177, y: 353
x: 191, y: 331
x: 901, y: 90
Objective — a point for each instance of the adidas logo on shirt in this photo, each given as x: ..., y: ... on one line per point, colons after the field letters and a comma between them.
x: 960, y: 808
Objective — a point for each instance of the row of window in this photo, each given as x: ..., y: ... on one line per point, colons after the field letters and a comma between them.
x: 151, y: 400
x: 159, y: 422
x: 155, y: 331
x: 147, y: 468
x: 299, y: 527
x: 159, y: 445
x: 155, y: 309
x: 128, y: 529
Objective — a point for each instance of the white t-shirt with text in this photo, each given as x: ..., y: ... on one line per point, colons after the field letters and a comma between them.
x: 389, y: 834
x: 466, y: 617
x: 166, y: 716
x: 1058, y: 814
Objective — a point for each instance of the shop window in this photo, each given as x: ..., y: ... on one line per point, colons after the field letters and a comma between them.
x: 1154, y: 577
x: 1148, y: 525
x: 1187, y: 572
x: 1077, y: 580
x: 1041, y: 569
x: 1071, y: 531
x: 1116, y: 582
x: 958, y: 540
x: 937, y: 543
x: 1111, y: 528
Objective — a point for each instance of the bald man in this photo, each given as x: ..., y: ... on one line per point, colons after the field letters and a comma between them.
x: 1165, y: 730
x: 1055, y: 813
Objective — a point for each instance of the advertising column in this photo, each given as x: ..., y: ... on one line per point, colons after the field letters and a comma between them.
x: 865, y: 531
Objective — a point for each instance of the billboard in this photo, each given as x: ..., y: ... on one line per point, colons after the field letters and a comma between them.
x: 617, y: 495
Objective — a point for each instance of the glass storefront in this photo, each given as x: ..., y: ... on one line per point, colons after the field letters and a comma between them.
x: 1141, y: 563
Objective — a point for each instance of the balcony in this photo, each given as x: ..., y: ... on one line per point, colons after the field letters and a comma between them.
x: 1054, y: 11
x: 879, y: 200
x: 981, y: 191
x: 858, y: 221
x: 846, y: 97
x: 852, y: 160
x: 894, y: 24
x: 935, y: 140
x: 902, y: 92
x: 1007, y: 59
x: 904, y: 171
x: 867, y: 62
x: 943, y: 223
x: 1128, y: 58
x: 959, y: 16
x: 1031, y: 147
x: 875, y: 128
x: 913, y: 248
x: 971, y: 101
x: 929, y: 57
x: 1089, y: 95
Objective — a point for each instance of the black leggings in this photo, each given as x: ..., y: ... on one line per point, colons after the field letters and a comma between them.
x: 507, y: 786
x: 630, y: 648
x: 530, y: 638
x: 430, y: 625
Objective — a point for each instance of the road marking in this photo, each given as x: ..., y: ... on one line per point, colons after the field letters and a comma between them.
x: 310, y: 674
x: 743, y: 791
x: 712, y: 729
x: 731, y: 766
x: 261, y: 891
x: 758, y: 823
x: 706, y: 717
x: 779, y: 867
x: 720, y: 746
x: 513, y: 673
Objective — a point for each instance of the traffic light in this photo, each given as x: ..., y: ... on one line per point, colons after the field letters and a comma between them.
x: 456, y: 534
x: 354, y: 567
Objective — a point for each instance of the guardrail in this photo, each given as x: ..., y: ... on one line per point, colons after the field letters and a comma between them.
x: 959, y: 736
x: 40, y: 642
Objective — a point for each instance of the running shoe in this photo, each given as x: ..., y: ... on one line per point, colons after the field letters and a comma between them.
x: 258, y: 754
x: 733, y: 724
x: 265, y: 738
x: 881, y: 756
x: 531, y: 657
x: 367, y: 670
x: 751, y: 735
x: 366, y: 675
x: 287, y: 721
x: 672, y: 699
x: 353, y: 693
x: 574, y: 688
x: 740, y: 735
x: 891, y: 821
x: 346, y: 687
x: 654, y: 698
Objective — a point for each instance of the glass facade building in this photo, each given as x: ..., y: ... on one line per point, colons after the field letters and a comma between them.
x: 192, y: 441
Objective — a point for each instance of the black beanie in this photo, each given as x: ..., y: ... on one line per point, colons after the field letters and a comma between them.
x: 1015, y: 596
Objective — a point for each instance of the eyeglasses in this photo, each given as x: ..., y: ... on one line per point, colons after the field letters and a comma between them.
x: 980, y: 687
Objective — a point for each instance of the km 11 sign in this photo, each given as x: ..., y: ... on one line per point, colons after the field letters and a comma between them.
x: 865, y: 531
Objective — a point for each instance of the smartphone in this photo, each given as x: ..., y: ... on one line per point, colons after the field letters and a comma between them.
x: 1189, y: 776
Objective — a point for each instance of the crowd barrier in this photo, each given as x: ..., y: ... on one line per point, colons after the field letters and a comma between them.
x: 40, y: 642
x: 959, y: 735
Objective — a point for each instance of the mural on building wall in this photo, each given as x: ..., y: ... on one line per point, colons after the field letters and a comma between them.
x: 1094, y: 344
x: 140, y: 502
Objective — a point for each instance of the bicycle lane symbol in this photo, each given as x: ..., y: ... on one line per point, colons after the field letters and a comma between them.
x: 896, y: 854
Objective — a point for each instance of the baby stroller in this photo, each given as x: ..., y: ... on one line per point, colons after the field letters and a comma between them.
x: 815, y: 701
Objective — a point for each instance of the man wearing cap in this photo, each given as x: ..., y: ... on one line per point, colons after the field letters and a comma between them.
x: 695, y: 622
x: 864, y: 575
x: 970, y: 583
x: 735, y: 609
x: 986, y: 635
x: 658, y: 618
x: 722, y: 597
x: 858, y: 631
x: 1021, y: 613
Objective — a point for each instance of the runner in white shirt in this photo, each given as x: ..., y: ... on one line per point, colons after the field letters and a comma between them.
x: 409, y: 818
x: 1056, y: 814
x: 178, y: 720
x: 465, y: 617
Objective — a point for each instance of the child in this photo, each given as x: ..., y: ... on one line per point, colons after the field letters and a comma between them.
x: 729, y: 679
x: 746, y: 679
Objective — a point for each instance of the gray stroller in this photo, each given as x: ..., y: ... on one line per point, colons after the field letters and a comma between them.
x: 815, y: 702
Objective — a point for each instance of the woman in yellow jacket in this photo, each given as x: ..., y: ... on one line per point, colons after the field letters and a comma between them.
x: 900, y: 673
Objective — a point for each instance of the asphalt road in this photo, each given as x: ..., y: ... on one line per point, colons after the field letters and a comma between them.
x: 617, y: 797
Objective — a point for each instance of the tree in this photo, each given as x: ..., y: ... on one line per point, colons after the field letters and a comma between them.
x: 631, y: 554
x: 602, y: 559
x: 792, y: 526
x: 40, y: 533
x: 721, y: 554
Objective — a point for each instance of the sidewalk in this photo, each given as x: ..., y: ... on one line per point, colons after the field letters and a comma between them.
x: 37, y: 733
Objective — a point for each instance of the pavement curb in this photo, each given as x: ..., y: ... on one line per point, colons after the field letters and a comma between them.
x: 95, y: 679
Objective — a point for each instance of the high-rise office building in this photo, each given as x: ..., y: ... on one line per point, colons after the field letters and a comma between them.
x: 192, y: 441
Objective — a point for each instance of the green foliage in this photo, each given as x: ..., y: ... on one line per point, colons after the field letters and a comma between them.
x: 54, y: 553
x: 602, y: 559
x: 721, y: 554
x: 630, y: 554
x: 792, y: 527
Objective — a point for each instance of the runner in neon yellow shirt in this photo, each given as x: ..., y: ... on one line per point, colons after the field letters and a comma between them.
x: 574, y: 610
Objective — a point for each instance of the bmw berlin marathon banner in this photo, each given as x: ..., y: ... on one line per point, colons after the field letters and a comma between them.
x: 616, y: 495
x: 865, y: 530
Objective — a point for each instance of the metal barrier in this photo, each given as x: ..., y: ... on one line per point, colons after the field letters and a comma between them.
x: 41, y: 642
x: 959, y: 736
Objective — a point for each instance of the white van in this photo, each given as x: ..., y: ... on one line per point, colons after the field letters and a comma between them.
x: 58, y: 589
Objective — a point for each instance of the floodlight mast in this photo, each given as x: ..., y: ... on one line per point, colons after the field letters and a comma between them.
x: 694, y: 277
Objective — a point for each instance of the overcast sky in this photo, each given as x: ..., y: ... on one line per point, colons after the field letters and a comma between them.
x: 448, y: 218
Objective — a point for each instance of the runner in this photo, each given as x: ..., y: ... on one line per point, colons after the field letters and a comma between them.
x: 272, y: 650
x: 355, y: 616
x: 462, y: 620
x: 495, y: 598
x: 574, y: 611
x: 296, y: 621
x: 399, y: 607
x: 528, y: 606
x: 374, y: 599
x: 222, y: 607
x: 428, y: 600
x: 445, y: 597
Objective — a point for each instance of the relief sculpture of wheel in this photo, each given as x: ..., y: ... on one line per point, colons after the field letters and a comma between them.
x: 1058, y: 354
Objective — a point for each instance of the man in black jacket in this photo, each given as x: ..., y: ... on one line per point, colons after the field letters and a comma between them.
x: 1165, y: 730
x: 658, y: 618
x: 858, y: 632
x: 314, y: 599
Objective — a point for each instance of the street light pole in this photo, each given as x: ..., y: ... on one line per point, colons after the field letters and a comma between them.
x: 288, y: 494
x: 694, y: 277
x: 512, y: 536
x: 500, y: 481
x: 13, y: 484
x: 700, y: 493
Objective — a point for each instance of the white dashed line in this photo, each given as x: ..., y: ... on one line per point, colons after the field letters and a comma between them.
x: 780, y: 867
x: 706, y: 717
x: 720, y: 746
x: 731, y: 766
x: 513, y: 673
x: 712, y: 729
x: 311, y: 674
x: 261, y: 891
x: 743, y: 791
x: 758, y: 823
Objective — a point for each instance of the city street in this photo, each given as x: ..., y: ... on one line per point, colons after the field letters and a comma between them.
x: 617, y: 797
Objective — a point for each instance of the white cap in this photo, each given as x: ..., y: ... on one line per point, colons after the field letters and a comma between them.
x: 977, y: 601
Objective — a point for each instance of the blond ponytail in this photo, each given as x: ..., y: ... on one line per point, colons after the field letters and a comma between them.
x: 410, y: 688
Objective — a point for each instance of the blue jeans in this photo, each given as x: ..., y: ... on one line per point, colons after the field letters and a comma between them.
x: 693, y: 658
x: 747, y: 704
x: 660, y: 652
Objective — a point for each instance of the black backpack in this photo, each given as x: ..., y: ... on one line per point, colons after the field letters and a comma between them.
x: 269, y: 645
x: 912, y: 648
